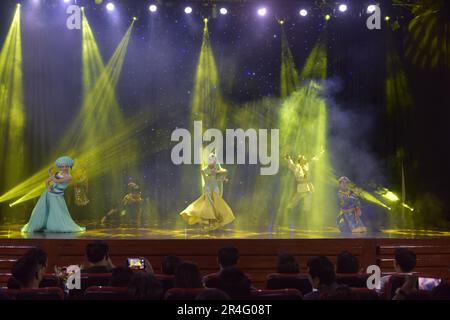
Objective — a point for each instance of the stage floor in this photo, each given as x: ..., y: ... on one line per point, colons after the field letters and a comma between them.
x: 12, y: 231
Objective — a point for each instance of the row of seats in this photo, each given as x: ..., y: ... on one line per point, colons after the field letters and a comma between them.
x: 274, y: 283
x: 118, y: 293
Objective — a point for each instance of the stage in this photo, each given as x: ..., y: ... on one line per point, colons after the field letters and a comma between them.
x: 97, y: 231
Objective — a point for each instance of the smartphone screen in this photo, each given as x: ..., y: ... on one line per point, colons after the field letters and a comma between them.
x: 428, y: 284
x: 136, y: 263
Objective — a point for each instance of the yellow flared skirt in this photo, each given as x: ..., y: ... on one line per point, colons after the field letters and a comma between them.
x: 213, y: 215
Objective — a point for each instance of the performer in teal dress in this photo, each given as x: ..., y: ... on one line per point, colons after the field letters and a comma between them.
x: 50, y: 213
x: 349, y: 218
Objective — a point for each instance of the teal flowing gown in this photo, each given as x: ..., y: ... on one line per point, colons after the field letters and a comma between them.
x: 51, y: 214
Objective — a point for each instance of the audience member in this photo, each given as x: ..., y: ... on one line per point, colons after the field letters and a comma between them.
x: 347, y: 263
x: 120, y: 277
x: 235, y: 283
x: 28, y: 272
x: 144, y: 286
x: 97, y: 253
x: 287, y: 263
x: 187, y: 275
x: 321, y: 275
x: 37, y: 254
x: 169, y: 265
x: 227, y: 257
x: 405, y: 262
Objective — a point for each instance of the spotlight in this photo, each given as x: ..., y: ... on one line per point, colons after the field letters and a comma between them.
x: 371, y: 8
x: 134, y: 18
x: 262, y: 12
x: 303, y: 12
x: 205, y: 20
x: 153, y: 8
x: 223, y: 11
x: 387, y: 18
x: 19, y: 5
x: 110, y: 6
x: 188, y: 10
x: 342, y: 7
x: 66, y: 1
x: 327, y: 17
x: 281, y: 22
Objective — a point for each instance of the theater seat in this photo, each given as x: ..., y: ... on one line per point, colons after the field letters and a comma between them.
x: 4, y: 295
x: 106, y: 293
x: 289, y: 281
x: 212, y: 280
x: 50, y: 280
x: 365, y: 294
x: 280, y: 294
x: 94, y: 280
x: 354, y: 280
x: 90, y: 280
x: 167, y: 281
x: 52, y: 293
x: 183, y: 294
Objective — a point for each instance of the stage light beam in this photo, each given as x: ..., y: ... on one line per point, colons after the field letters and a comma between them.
x: 99, y: 98
x: 392, y: 197
x: 12, y: 113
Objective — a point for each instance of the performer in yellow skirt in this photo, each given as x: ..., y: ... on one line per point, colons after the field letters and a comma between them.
x: 210, y: 210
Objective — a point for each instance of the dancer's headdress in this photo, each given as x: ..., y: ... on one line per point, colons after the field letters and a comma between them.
x: 343, y: 179
x: 64, y: 161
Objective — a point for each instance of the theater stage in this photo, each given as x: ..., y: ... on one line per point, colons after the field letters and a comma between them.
x: 259, y: 250
x: 97, y: 231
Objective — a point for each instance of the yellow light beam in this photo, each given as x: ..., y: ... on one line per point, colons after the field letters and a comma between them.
x: 289, y: 76
x: 12, y: 116
x: 99, y: 116
x: 207, y: 102
x: 303, y: 123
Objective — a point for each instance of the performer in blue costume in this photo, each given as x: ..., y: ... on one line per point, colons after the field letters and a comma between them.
x: 349, y: 218
x: 50, y: 213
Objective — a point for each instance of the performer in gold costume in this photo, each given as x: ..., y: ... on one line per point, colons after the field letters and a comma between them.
x: 210, y: 210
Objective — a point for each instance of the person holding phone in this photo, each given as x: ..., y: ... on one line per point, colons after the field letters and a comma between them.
x: 140, y: 264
